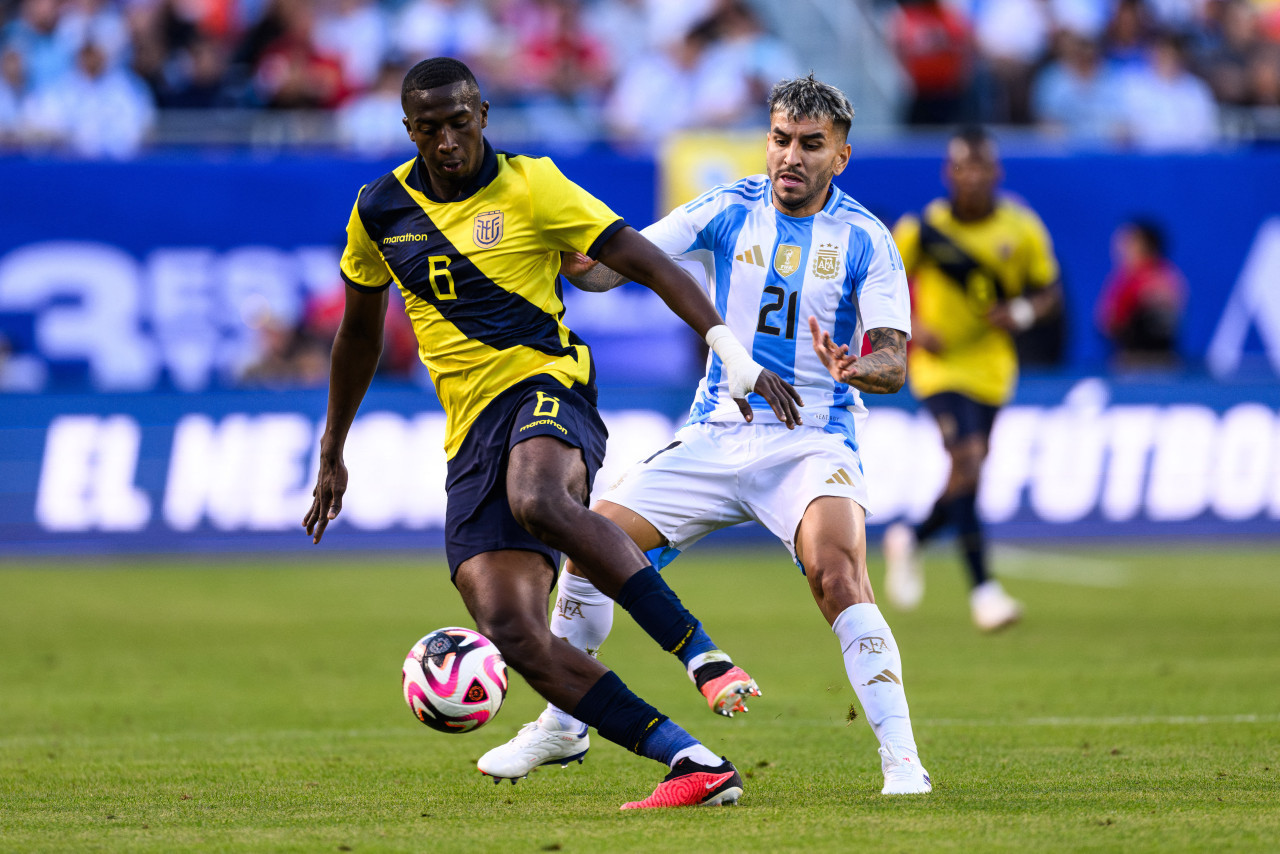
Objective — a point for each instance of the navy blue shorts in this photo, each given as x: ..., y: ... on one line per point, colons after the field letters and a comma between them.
x: 477, y: 515
x: 960, y: 417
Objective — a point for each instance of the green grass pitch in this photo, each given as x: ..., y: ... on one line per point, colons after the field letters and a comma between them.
x: 254, y: 705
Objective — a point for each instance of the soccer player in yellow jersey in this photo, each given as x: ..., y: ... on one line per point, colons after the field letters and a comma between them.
x: 473, y: 239
x: 983, y: 270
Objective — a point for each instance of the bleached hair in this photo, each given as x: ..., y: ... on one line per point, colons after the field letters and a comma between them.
x: 810, y: 98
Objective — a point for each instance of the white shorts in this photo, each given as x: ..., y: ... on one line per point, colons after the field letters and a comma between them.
x: 720, y: 474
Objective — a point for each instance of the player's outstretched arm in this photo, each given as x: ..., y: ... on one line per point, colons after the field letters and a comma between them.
x: 635, y: 258
x: 356, y: 351
x: 882, y: 371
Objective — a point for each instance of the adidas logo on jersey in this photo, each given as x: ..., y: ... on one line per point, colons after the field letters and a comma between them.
x: 885, y: 676
x: 751, y: 256
x: 841, y: 476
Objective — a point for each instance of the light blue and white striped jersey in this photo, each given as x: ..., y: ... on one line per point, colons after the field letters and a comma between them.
x: 768, y: 272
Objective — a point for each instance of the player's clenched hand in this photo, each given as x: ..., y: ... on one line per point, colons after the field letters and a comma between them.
x: 326, y: 501
x: 1016, y: 315
x: 835, y: 357
x: 784, y: 400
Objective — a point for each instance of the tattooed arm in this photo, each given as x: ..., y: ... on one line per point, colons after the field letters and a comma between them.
x: 882, y: 371
x: 588, y: 275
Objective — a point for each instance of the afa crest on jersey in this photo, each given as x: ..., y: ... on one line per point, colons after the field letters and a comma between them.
x: 826, y: 262
x: 487, y: 230
x: 787, y: 259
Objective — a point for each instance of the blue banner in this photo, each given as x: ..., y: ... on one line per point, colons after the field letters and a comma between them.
x: 234, y: 470
x: 162, y: 273
x: 1217, y: 210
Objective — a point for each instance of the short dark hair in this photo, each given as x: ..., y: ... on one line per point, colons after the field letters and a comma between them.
x: 976, y: 138
x: 810, y: 98
x: 1149, y: 232
x: 435, y: 72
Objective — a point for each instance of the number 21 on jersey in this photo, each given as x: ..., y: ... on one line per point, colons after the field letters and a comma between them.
x: 771, y: 312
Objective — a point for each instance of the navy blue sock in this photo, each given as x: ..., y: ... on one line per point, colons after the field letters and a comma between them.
x: 938, y: 518
x: 619, y: 715
x: 657, y: 610
x: 666, y: 741
x: 964, y: 510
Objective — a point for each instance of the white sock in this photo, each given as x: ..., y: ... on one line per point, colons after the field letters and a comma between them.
x: 583, y: 616
x: 698, y: 753
x: 705, y: 658
x: 875, y: 669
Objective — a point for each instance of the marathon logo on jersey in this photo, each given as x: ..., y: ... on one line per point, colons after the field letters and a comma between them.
x: 826, y: 263
x: 787, y: 259
x: 405, y: 238
x: 487, y: 230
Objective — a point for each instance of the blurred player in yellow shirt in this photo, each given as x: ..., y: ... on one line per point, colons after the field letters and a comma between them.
x: 982, y: 270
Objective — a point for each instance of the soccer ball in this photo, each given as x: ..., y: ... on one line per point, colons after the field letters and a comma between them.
x: 454, y: 680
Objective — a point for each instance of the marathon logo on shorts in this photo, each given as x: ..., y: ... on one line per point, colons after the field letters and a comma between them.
x: 547, y: 409
x: 487, y: 230
x: 544, y: 422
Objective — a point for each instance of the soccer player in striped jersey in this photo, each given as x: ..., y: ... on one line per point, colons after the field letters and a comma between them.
x: 473, y: 238
x: 781, y: 252
x: 983, y: 269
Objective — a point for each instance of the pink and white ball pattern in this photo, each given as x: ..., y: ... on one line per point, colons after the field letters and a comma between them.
x: 454, y: 680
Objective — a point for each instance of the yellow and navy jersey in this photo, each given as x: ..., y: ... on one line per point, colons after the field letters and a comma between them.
x: 479, y: 274
x: 959, y: 270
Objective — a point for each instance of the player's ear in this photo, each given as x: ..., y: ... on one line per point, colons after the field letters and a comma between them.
x: 484, y: 114
x: 842, y: 158
x: 407, y: 127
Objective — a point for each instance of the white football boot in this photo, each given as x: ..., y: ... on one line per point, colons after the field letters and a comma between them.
x: 993, y: 608
x: 904, y: 576
x: 903, y: 774
x: 539, y: 742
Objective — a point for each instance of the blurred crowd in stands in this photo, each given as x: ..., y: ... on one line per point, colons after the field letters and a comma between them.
x: 90, y: 76
x: 1156, y: 74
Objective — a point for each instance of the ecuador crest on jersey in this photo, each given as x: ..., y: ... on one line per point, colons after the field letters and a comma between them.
x: 487, y: 229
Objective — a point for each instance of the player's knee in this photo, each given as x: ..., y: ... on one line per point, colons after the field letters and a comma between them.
x: 839, y: 578
x: 541, y: 510
x: 966, y: 468
x: 528, y: 506
x: 521, y: 641
x: 964, y: 480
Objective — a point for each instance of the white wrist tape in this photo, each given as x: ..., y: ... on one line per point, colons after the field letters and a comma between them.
x: 1022, y: 312
x: 741, y: 371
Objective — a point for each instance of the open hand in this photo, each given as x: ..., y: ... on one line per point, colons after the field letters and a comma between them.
x: 326, y: 502
x: 835, y: 357
x: 781, y: 396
